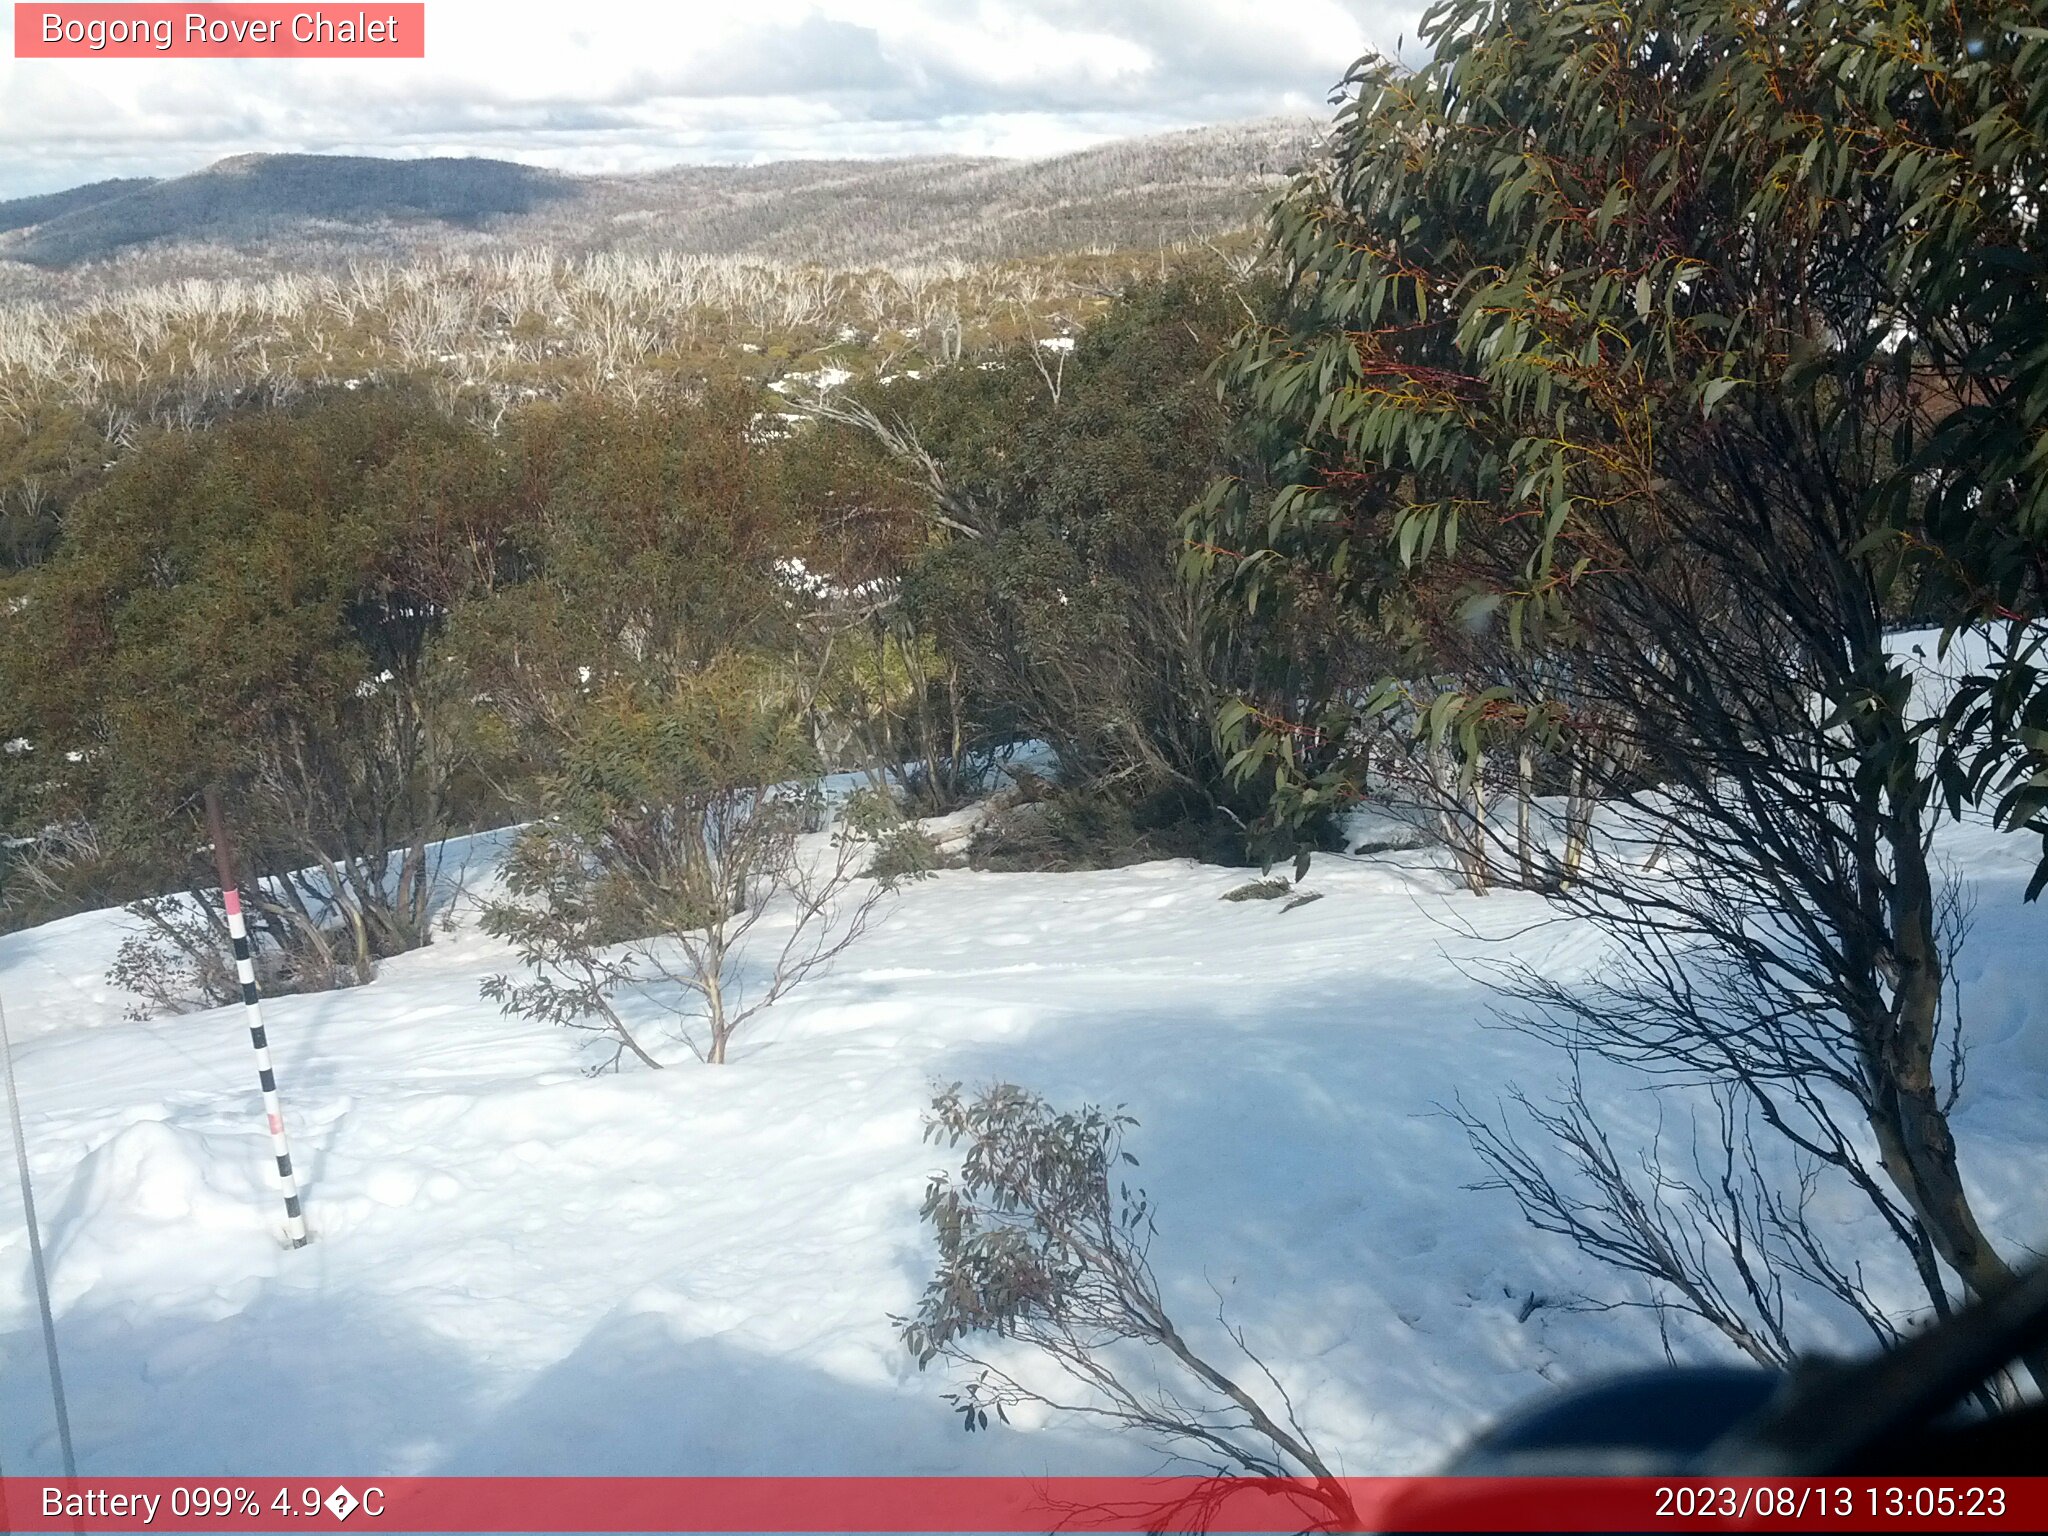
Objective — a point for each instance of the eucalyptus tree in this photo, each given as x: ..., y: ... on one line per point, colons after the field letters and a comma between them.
x: 1639, y: 364
x: 259, y: 607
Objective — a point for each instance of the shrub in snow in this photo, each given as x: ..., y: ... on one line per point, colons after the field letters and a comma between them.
x: 175, y: 965
x: 1041, y: 1241
x: 663, y: 867
x: 1052, y: 489
x: 182, y: 961
x: 902, y: 849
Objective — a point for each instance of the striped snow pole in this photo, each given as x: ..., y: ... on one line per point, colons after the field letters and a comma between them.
x: 252, y: 1008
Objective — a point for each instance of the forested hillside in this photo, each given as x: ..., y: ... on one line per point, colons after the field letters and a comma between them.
x: 247, y: 215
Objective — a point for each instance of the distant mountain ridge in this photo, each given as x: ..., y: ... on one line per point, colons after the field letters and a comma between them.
x: 258, y: 196
x: 331, y: 208
x: 21, y: 212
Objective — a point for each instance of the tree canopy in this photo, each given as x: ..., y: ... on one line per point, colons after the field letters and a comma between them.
x: 1545, y: 278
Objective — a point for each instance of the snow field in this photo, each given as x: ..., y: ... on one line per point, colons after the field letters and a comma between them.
x: 519, y: 1268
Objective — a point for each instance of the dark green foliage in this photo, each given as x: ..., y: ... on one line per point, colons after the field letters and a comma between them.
x: 256, y: 608
x: 49, y: 456
x: 902, y: 849
x: 672, y: 826
x: 1996, y: 738
x: 1069, y: 615
x: 1637, y: 362
x: 671, y: 801
x: 1038, y: 1209
x: 647, y: 540
x: 222, y: 584
x: 371, y: 626
x: 1049, y: 575
x: 1530, y: 314
x: 656, y: 530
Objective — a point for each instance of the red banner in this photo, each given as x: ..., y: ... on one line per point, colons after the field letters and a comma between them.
x: 101, y: 31
x: 1005, y: 1504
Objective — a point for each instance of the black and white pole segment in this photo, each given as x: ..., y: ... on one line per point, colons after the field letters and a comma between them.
x: 245, y: 971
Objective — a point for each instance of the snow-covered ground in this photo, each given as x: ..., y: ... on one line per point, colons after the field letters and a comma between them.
x: 518, y: 1268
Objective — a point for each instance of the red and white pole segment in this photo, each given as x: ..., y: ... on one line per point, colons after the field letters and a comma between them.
x: 252, y: 1008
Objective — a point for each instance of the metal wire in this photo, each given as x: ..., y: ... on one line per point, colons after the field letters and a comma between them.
x: 35, y: 1251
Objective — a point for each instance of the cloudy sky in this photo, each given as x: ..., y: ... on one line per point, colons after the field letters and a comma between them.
x: 620, y: 85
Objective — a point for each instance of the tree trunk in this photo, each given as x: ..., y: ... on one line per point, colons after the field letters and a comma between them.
x: 1478, y: 866
x: 714, y: 1008
x: 1443, y: 798
x: 1525, y: 792
x: 1578, y: 822
x: 1915, y: 1145
x: 957, y: 725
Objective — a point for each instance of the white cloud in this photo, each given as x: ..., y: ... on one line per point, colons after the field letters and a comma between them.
x: 613, y: 84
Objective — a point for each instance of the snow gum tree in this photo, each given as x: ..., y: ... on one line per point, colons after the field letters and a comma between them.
x: 672, y: 858
x: 648, y: 539
x: 1641, y: 363
x: 260, y: 607
x: 1046, y: 572
x: 642, y: 671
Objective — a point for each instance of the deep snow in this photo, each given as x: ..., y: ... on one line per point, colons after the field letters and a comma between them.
x: 518, y: 1268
